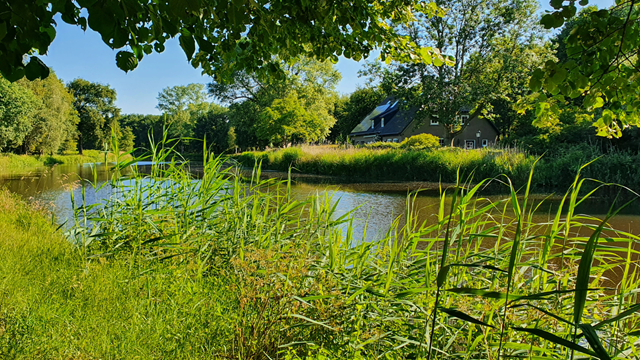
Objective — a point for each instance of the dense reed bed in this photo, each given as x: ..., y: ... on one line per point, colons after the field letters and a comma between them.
x: 386, y: 162
x: 224, y: 267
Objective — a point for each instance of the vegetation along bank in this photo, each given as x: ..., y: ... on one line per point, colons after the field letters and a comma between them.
x: 214, y: 269
x: 386, y: 162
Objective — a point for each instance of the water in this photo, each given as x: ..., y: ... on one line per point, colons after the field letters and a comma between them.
x: 375, y: 204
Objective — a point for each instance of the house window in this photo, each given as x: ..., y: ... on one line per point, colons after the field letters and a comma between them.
x: 388, y: 140
x: 395, y: 140
x: 441, y: 141
x: 469, y: 144
x: 485, y: 143
x: 434, y: 121
x: 463, y: 119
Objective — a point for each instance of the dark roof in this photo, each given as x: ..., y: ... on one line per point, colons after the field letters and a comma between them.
x: 396, y: 119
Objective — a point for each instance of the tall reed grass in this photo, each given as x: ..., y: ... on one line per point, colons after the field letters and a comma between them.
x: 384, y: 163
x: 484, y: 282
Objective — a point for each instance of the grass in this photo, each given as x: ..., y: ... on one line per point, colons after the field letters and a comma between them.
x: 384, y: 162
x: 11, y: 163
x: 225, y: 267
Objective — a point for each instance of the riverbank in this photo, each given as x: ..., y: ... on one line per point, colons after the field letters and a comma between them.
x: 12, y: 163
x: 446, y: 164
x: 222, y: 268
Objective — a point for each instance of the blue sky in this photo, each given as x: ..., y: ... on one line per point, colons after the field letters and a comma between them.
x: 77, y: 54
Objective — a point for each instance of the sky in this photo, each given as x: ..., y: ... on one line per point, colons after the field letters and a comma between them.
x: 78, y: 54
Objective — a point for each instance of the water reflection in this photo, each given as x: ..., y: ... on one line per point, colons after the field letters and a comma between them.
x: 375, y: 204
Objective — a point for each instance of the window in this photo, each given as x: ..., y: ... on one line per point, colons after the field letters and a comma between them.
x: 434, y: 121
x: 463, y: 119
x: 441, y: 141
x: 395, y: 140
x: 469, y: 144
x: 485, y: 143
x: 389, y: 140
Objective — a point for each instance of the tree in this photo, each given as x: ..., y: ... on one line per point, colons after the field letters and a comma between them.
x: 142, y: 127
x: 182, y: 104
x: 17, y: 106
x: 54, y: 120
x: 95, y: 104
x: 488, y: 46
x: 312, y: 82
x: 288, y: 121
x: 213, y: 126
x: 602, y: 66
x: 350, y: 110
x: 220, y: 37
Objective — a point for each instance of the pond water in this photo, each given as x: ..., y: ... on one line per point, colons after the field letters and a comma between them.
x: 376, y: 204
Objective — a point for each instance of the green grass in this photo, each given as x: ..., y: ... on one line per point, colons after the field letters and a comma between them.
x: 382, y: 162
x: 11, y: 163
x: 168, y: 267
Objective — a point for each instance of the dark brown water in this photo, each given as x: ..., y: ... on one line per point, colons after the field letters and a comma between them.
x: 376, y: 204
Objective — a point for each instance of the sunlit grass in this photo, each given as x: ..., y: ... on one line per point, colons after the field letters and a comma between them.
x: 225, y: 267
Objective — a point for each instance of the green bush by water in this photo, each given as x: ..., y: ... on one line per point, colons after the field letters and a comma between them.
x: 225, y: 267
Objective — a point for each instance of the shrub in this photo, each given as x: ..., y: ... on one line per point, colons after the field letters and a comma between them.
x: 382, y: 145
x: 421, y: 141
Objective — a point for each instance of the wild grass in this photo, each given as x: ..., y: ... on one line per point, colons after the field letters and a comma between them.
x: 385, y: 162
x: 377, y: 163
x: 224, y: 267
x: 11, y: 163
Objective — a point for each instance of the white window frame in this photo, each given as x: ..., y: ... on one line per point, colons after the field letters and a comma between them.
x: 433, y: 121
x: 485, y: 143
x: 467, y: 141
x: 441, y: 141
x: 395, y: 140
x: 463, y: 118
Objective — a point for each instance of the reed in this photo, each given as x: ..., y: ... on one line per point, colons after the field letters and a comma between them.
x: 385, y: 162
x: 291, y: 281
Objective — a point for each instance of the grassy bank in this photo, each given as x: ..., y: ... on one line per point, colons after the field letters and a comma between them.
x: 224, y: 268
x: 10, y: 163
x: 394, y: 164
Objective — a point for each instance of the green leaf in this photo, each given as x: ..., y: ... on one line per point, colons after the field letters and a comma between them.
x: 126, y: 60
x: 188, y: 45
x: 593, y: 339
x: 36, y: 69
x: 462, y: 316
x: 556, y: 340
x: 442, y: 275
x: 3, y: 30
x: 535, y: 84
x: 482, y: 293
x: 622, y: 315
x: 547, y: 21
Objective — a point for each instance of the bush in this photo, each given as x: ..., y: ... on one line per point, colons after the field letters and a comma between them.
x: 382, y: 145
x: 421, y: 141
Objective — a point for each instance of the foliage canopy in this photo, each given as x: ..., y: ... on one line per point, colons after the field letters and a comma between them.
x: 219, y: 37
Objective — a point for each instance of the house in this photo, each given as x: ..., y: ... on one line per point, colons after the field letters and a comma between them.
x: 390, y: 123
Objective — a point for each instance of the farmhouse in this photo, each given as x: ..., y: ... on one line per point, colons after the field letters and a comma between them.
x: 390, y: 123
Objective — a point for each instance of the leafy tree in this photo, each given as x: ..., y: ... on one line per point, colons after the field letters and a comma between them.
x: 311, y: 81
x: 182, y: 104
x: 54, y: 120
x: 95, y: 104
x: 143, y: 126
x: 214, y: 127
x: 220, y: 37
x: 601, y: 67
x: 489, y: 45
x: 17, y: 106
x: 350, y: 110
x: 288, y: 121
